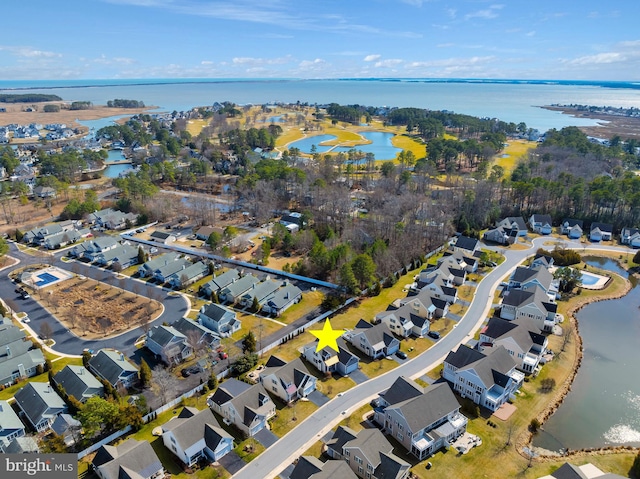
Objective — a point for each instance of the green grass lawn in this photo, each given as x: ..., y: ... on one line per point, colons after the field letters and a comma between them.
x: 249, y: 449
x: 287, y: 417
x: 9, y: 392
x: 59, y: 364
x: 310, y: 301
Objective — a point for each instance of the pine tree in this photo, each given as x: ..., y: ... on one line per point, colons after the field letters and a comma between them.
x: 145, y: 373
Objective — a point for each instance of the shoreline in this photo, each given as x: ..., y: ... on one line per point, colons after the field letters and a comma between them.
x: 608, y: 126
x: 545, y: 455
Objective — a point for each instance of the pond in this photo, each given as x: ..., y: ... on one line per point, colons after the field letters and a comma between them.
x: 381, y: 145
x: 603, y: 406
x: 114, y: 170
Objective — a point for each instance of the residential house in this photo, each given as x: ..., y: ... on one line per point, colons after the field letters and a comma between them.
x: 521, y: 338
x: 219, y: 282
x: 162, y: 237
x: 111, y: 219
x: 630, y: 236
x: 328, y: 360
x: 541, y: 224
x: 466, y: 245
x: 260, y: 291
x: 439, y: 283
x: 526, y: 277
x: 123, y: 255
x: 308, y: 467
x: 457, y: 259
x: 114, y: 368
x: 197, y: 333
x: 531, y: 302
x: 44, y: 192
x: 573, y: 228
x: 18, y: 357
x: 288, y: 381
x: 168, y: 344
x: 10, y: 425
x: 601, y: 232
x: 165, y: 271
x: 376, y: 341
x: 91, y: 249
x: 489, y: 380
x: 78, y: 382
x: 131, y: 459
x: 39, y: 404
x: 282, y: 299
x: 188, y: 275
x: 411, y: 318
x: 422, y: 420
x: 194, y: 435
x: 245, y: 406
x: 37, y: 236
x: 151, y: 267
x: 204, y: 232
x: 66, y: 426
x: 507, y: 230
x: 232, y: 292
x: 219, y: 319
x: 435, y: 307
x: 64, y: 238
x: 22, y: 445
x: 542, y: 260
x: 586, y: 471
x: 368, y: 453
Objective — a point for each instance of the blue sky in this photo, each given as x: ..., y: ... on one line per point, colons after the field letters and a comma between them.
x: 562, y: 39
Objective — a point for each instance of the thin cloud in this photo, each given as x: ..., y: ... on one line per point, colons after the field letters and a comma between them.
x: 389, y: 63
x: 487, y: 14
x: 371, y: 58
x: 261, y: 61
x: 29, y: 52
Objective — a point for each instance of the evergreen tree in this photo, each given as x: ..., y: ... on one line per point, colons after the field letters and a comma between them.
x: 145, y: 374
x: 249, y: 343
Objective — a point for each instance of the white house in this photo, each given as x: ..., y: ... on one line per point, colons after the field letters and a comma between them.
x: 195, y: 435
x: 168, y: 344
x: 630, y: 236
x: 288, y: 381
x: 601, y: 232
x: 489, y: 380
x: 219, y: 319
x: 128, y: 460
x: 541, y: 224
x: 10, y: 425
x: 532, y: 302
x: 39, y: 404
x: 376, y: 341
x: 114, y: 368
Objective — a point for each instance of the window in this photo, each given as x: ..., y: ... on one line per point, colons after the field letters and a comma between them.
x: 275, y: 389
x: 369, y: 468
x: 347, y: 453
x: 400, y: 437
x: 173, y: 439
x: 358, y: 459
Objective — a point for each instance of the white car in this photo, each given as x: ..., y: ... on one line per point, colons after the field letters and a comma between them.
x: 26, y: 320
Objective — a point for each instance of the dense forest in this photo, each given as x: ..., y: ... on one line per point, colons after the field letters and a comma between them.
x: 365, y: 219
x: 120, y: 103
x: 27, y: 98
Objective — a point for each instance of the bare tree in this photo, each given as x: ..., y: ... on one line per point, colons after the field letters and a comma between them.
x: 46, y: 331
x: 163, y: 382
x: 193, y: 340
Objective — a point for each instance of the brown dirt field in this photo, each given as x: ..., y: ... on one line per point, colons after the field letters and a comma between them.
x: 96, y: 310
x: 14, y: 113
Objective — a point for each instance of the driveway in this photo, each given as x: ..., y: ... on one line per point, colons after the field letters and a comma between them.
x: 232, y: 462
x: 266, y: 437
x: 317, y: 398
x: 358, y: 376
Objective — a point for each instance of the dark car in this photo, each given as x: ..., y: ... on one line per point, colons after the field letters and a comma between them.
x: 185, y: 373
x: 401, y: 354
x: 434, y: 334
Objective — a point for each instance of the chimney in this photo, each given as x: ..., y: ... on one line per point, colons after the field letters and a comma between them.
x: 81, y: 372
x: 121, y: 357
x: 8, y: 351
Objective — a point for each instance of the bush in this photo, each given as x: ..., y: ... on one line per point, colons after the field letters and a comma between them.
x: 534, y: 425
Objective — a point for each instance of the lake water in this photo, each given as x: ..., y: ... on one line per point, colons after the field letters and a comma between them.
x: 508, y: 100
x: 603, y: 407
x: 381, y: 147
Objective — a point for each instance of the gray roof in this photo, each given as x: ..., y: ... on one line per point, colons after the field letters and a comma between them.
x: 240, y: 286
x: 541, y: 274
x: 282, y: 296
x: 8, y: 418
x: 245, y: 400
x: 76, y: 380
x: 542, y: 219
x: 192, y: 271
x: 192, y: 425
x: 376, y: 334
x: 9, y: 334
x: 379, y: 453
x: 137, y: 457
x: 163, y: 335
x: 160, y: 260
x: 523, y: 331
x: 172, y: 267
x: 524, y: 296
x: 570, y: 222
x: 342, y: 435
x: 436, y: 402
x: 223, y: 280
x: 464, y: 242
x: 604, y: 227
x: 122, y: 253
x: 216, y: 311
x: 29, y: 360
x: 160, y: 235
x: 491, y: 368
x: 22, y: 445
x: 401, y: 390
x: 293, y: 372
x: 186, y: 326
x: 306, y: 467
x: 63, y: 423
x: 110, y: 364
x: 262, y: 290
x: 35, y: 398
x: 569, y: 471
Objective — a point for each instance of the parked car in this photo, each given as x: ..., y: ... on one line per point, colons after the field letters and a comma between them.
x: 401, y: 354
x: 223, y: 355
x: 434, y: 334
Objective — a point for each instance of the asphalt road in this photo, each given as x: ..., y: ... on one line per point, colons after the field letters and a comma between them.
x: 277, y: 457
x: 175, y: 306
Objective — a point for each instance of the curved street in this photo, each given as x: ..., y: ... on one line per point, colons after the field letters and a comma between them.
x: 175, y: 306
x: 277, y: 457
